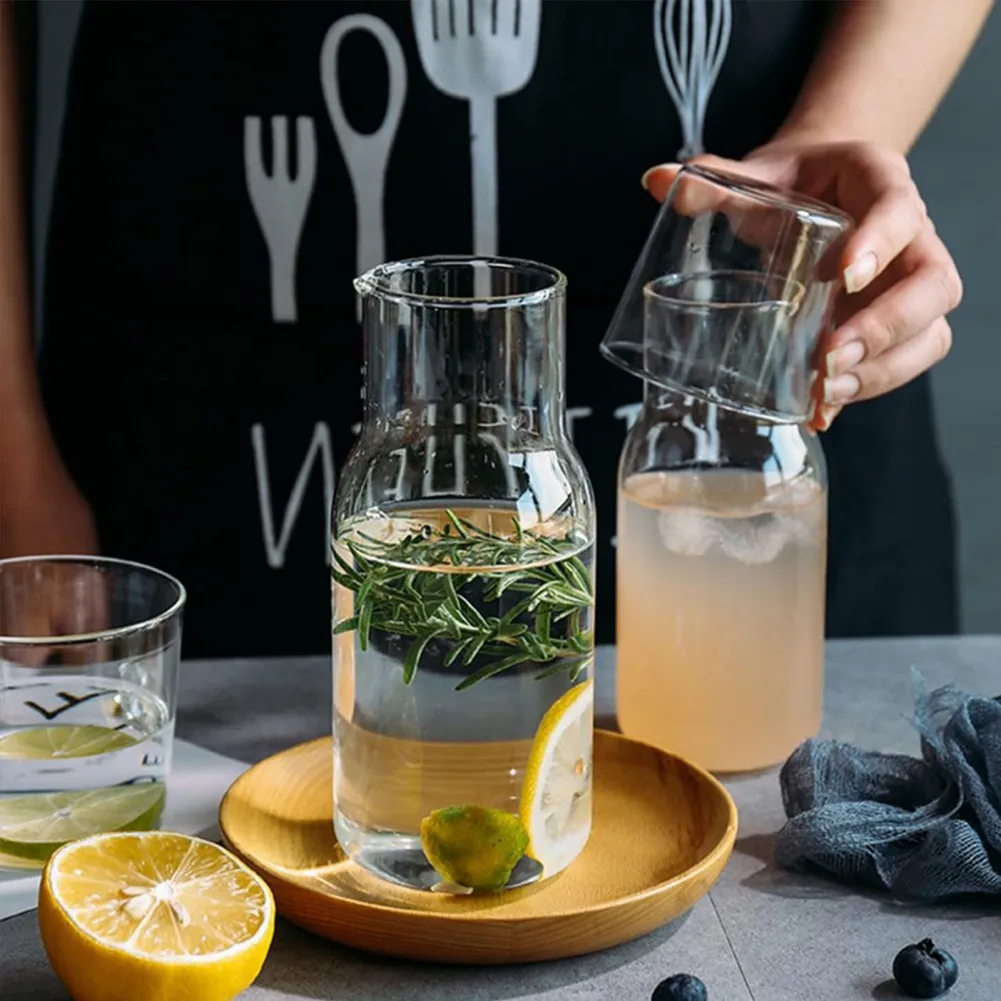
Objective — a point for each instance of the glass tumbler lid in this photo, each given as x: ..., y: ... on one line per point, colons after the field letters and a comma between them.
x: 731, y: 293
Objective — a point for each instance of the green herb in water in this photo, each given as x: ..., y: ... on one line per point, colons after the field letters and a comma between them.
x: 392, y: 595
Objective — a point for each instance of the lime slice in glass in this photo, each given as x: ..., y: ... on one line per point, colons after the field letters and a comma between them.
x: 43, y: 743
x: 34, y: 826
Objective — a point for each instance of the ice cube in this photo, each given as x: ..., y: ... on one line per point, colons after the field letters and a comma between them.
x: 687, y: 531
x: 756, y: 540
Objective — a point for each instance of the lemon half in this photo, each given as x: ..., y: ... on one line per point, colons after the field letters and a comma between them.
x: 153, y: 916
x: 556, y: 795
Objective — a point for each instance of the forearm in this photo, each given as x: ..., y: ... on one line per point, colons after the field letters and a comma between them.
x: 23, y: 429
x: 883, y: 68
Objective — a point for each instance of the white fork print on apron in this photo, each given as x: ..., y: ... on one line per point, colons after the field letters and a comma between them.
x: 280, y: 201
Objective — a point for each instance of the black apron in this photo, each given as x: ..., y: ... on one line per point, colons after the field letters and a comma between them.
x: 200, y: 351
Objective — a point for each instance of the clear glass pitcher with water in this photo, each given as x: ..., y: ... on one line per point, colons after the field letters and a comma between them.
x: 462, y: 553
x: 722, y: 514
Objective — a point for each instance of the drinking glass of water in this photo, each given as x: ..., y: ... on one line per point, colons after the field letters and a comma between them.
x: 89, y: 656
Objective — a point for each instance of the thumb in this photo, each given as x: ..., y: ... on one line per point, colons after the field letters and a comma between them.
x: 658, y: 179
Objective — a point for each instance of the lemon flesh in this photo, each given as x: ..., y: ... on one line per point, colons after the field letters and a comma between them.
x: 556, y: 795
x: 35, y: 825
x: 153, y: 916
x: 473, y: 847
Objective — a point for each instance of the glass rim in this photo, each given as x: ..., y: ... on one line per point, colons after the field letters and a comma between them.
x: 817, y: 213
x: 118, y: 632
x: 376, y: 282
x: 787, y: 304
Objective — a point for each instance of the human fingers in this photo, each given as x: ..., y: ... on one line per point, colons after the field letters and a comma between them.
x: 25, y: 615
x: 903, y: 310
x: 701, y: 197
x: 893, y: 368
x: 823, y: 416
x: 896, y: 216
x: 82, y: 608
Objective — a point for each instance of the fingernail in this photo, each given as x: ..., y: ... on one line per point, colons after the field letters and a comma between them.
x: 860, y: 272
x: 841, y: 388
x: 825, y: 418
x: 844, y: 358
x: 645, y: 179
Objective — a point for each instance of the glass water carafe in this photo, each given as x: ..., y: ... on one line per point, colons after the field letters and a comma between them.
x: 462, y: 563
x: 721, y: 551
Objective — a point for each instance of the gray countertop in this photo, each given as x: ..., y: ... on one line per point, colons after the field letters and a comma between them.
x: 763, y: 934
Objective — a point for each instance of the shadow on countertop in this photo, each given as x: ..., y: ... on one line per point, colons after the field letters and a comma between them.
x: 301, y: 965
x: 803, y: 885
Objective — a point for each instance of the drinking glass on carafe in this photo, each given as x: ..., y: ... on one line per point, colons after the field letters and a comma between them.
x: 722, y: 512
x: 462, y: 554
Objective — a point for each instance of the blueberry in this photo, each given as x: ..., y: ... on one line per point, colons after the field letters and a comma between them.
x: 924, y: 970
x: 680, y: 987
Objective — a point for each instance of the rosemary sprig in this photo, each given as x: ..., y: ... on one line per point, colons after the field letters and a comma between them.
x: 394, y: 595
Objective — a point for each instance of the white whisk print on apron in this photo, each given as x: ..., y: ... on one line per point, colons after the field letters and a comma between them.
x: 691, y: 38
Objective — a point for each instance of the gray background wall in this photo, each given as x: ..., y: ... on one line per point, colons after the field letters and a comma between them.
x: 957, y: 165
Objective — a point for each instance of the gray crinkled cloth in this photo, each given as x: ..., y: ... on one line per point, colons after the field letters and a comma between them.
x: 924, y: 828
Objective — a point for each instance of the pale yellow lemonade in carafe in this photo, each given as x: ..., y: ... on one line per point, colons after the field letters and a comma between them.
x: 720, y: 609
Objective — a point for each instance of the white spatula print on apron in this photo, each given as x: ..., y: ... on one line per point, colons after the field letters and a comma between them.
x: 479, y: 51
x: 366, y: 156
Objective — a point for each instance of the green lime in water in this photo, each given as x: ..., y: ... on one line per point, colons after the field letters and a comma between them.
x: 473, y: 847
x: 34, y: 826
x: 47, y: 742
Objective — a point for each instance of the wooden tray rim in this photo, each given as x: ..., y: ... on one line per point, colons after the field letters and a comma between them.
x: 708, y: 862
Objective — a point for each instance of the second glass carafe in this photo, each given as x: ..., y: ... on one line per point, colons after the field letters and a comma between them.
x: 721, y: 551
x: 722, y: 521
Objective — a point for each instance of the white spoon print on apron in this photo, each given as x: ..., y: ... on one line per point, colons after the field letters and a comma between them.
x: 366, y: 156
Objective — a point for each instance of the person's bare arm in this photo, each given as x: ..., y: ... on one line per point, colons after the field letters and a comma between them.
x: 882, y: 69
x: 20, y: 406
x: 40, y: 507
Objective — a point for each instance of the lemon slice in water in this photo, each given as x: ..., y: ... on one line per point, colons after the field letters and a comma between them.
x: 153, y: 917
x: 556, y: 795
x: 43, y: 742
x: 35, y: 825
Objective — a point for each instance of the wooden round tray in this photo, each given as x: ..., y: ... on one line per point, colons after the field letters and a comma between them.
x: 662, y: 832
